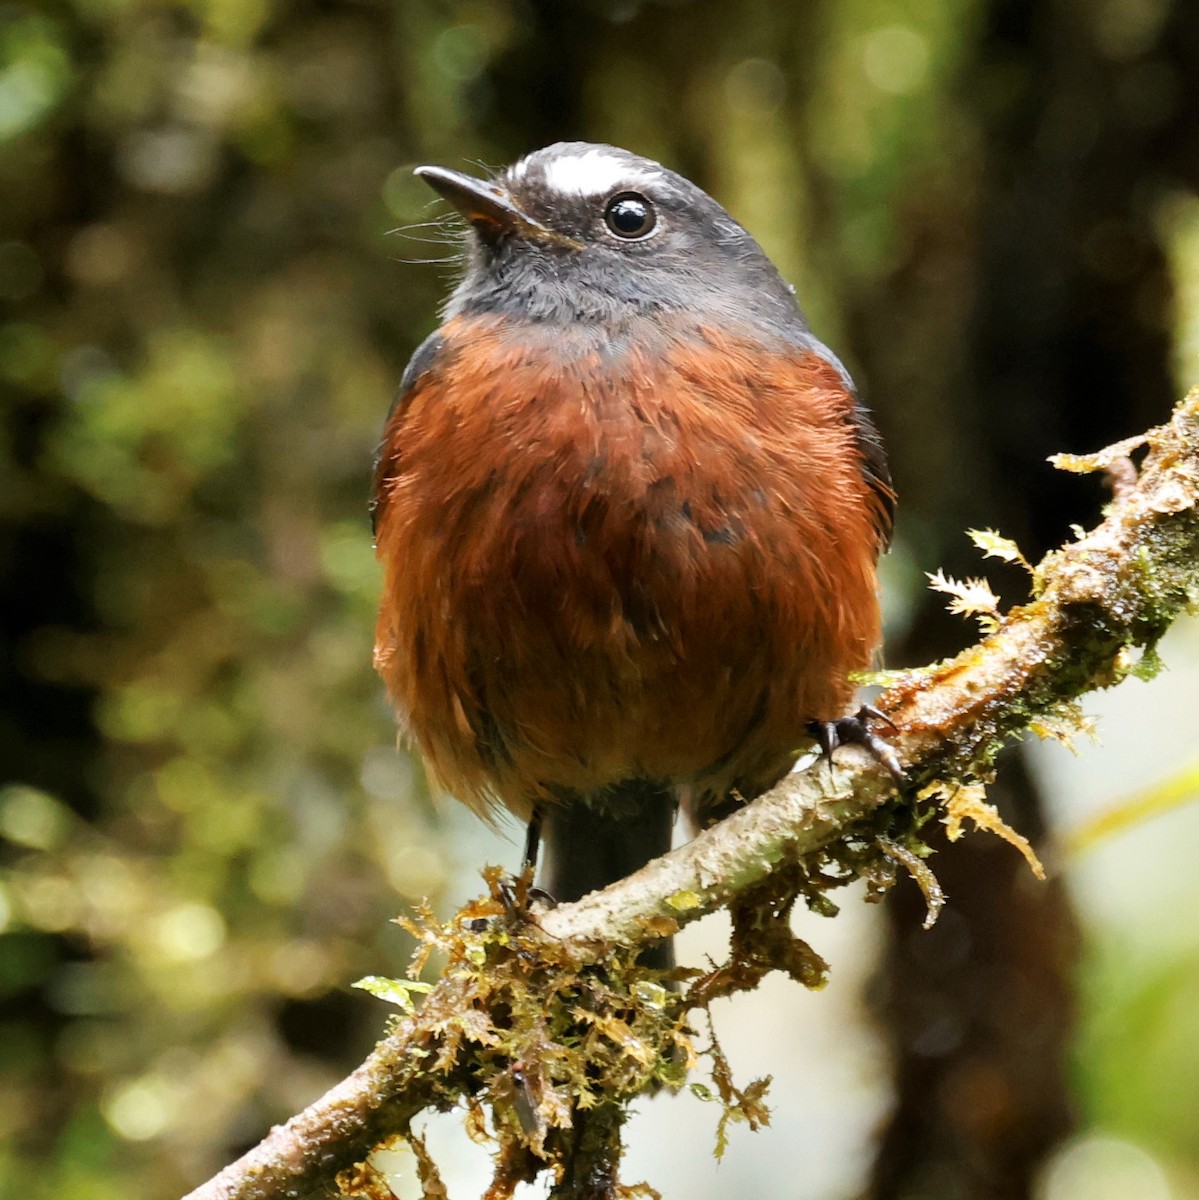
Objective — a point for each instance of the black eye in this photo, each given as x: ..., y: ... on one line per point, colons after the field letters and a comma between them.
x: 630, y: 215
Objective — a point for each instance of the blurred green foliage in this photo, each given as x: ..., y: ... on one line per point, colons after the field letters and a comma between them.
x: 205, y: 823
x: 205, y: 328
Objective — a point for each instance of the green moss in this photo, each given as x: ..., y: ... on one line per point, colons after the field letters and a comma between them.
x: 545, y: 1042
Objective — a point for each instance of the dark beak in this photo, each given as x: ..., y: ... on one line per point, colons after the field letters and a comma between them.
x: 486, y: 205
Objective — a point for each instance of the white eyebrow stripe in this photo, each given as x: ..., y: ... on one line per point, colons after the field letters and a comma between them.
x: 594, y: 173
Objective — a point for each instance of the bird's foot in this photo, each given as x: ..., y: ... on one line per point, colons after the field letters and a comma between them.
x: 856, y: 730
x: 517, y: 898
x: 519, y: 895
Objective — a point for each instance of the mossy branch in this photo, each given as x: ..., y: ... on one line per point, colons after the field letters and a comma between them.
x: 1100, y: 605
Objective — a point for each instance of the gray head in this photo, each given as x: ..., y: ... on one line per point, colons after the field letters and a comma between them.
x: 582, y: 233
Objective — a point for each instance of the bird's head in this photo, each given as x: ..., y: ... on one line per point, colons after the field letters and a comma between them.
x: 579, y: 232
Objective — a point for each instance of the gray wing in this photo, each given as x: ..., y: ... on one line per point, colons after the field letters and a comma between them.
x: 425, y: 359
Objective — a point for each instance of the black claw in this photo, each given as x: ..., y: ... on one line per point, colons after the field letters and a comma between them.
x: 856, y: 729
x: 868, y: 713
x: 881, y: 751
x: 825, y: 734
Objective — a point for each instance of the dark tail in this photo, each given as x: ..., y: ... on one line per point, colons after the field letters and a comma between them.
x: 590, y: 842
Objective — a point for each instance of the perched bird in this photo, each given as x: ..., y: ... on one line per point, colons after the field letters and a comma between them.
x: 629, y: 510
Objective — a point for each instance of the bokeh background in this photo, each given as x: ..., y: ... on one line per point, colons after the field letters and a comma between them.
x: 990, y: 209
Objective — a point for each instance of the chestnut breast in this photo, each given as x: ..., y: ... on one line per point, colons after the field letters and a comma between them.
x: 641, y: 553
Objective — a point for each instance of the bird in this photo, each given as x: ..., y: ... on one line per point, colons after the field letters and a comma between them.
x: 629, y: 511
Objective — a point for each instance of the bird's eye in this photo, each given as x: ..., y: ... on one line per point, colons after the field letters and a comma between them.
x: 629, y: 215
